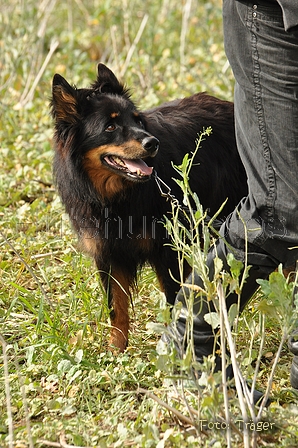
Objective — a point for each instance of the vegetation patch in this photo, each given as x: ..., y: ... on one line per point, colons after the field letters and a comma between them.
x: 60, y: 386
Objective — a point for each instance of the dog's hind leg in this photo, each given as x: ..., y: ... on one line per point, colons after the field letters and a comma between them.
x: 170, y: 276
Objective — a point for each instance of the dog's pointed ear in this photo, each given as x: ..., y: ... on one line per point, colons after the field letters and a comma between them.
x: 64, y: 102
x: 107, y: 82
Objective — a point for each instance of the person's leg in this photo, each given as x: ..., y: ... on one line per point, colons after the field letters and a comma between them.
x: 266, y: 109
x: 266, y: 117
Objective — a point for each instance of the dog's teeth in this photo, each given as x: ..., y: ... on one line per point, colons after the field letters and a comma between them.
x: 119, y: 161
x: 139, y: 173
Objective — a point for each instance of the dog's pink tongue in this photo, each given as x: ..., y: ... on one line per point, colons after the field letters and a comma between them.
x: 138, y: 165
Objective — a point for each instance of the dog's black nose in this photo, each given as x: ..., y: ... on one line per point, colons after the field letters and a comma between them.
x: 151, y: 144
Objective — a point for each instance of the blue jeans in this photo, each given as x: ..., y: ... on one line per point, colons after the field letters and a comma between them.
x: 264, y: 60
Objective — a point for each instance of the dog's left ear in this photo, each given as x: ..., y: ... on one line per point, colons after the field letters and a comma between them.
x: 107, y: 82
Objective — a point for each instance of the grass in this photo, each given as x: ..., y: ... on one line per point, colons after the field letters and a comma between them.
x: 59, y: 385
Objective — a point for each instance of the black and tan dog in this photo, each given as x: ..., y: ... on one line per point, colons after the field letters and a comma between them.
x: 105, y: 154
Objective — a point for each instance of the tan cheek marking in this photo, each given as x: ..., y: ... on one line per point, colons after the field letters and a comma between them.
x: 106, y: 182
x: 131, y: 149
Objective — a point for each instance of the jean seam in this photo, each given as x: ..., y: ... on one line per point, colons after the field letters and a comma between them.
x: 257, y: 95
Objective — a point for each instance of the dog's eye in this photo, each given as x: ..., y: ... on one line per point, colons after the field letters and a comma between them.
x: 110, y: 128
x: 140, y: 123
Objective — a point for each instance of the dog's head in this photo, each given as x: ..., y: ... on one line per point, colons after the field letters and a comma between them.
x: 101, y: 130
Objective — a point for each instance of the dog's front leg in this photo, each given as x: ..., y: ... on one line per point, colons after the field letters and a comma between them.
x: 117, y: 286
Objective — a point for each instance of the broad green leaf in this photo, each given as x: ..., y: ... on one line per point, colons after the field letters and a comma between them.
x: 236, y: 266
x: 212, y: 319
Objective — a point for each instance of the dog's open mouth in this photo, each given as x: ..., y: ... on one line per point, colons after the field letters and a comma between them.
x: 134, y: 168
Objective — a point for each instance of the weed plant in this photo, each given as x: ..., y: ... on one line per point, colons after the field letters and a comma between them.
x: 210, y: 400
x: 59, y: 384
